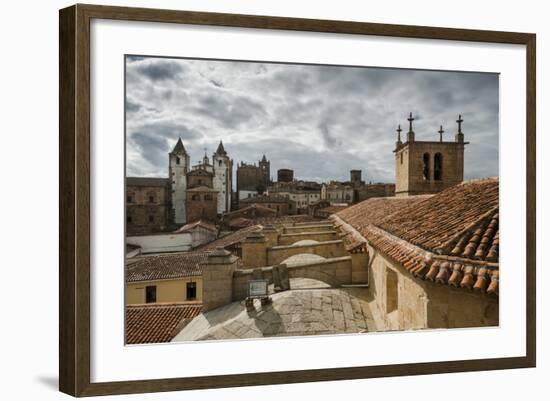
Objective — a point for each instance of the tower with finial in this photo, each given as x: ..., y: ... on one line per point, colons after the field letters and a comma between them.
x: 425, y: 167
x: 178, y: 167
x: 264, y: 165
x: 223, y: 178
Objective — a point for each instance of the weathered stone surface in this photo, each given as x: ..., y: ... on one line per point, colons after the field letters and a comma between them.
x: 298, y: 312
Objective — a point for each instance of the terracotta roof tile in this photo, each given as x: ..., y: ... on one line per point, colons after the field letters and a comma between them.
x: 161, y: 267
x: 230, y: 239
x: 449, y: 238
x: 157, y: 323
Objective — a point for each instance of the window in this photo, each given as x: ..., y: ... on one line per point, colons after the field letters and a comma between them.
x: 191, y: 290
x: 392, y: 290
x: 129, y: 199
x: 150, y: 294
x: 208, y: 197
x: 151, y: 219
x: 438, y: 166
x: 128, y: 219
x: 195, y: 197
x: 219, y: 163
x: 177, y: 160
x: 426, y: 169
x: 200, y: 181
x: 401, y: 157
x: 151, y: 199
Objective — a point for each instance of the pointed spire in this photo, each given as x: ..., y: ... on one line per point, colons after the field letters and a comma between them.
x: 179, y: 148
x: 441, y: 133
x: 264, y: 159
x: 221, y: 151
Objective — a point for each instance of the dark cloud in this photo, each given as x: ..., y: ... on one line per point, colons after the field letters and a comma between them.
x: 320, y: 120
x: 160, y: 71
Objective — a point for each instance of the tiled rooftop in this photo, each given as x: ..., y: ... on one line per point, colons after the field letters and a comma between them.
x: 230, y: 239
x: 158, y: 323
x: 161, y: 267
x: 146, y: 182
x: 450, y: 238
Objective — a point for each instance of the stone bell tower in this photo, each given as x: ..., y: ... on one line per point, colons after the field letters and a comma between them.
x: 179, y: 165
x: 223, y: 178
x: 426, y: 167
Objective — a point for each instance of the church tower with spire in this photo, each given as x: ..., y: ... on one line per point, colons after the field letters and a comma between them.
x: 223, y: 178
x: 179, y: 166
x: 264, y: 165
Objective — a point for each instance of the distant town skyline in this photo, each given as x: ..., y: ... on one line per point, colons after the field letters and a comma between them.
x: 320, y: 121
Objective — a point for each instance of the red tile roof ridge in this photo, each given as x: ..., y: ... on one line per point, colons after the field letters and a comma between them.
x: 423, y: 264
x: 483, y: 219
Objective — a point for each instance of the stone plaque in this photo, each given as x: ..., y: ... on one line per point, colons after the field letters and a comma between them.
x: 257, y: 288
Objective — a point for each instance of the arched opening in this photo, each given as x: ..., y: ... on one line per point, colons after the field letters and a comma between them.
x: 438, y: 166
x: 426, y: 169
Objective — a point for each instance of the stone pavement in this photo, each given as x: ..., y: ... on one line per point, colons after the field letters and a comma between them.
x: 309, y: 308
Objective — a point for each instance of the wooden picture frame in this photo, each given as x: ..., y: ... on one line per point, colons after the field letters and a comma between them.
x: 74, y: 204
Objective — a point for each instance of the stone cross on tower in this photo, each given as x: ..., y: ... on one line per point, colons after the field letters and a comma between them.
x: 398, y: 143
x: 441, y: 133
x: 410, y: 134
x: 459, y: 137
x: 460, y: 121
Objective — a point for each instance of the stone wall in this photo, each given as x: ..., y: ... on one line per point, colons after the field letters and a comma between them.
x: 423, y: 304
x: 328, y: 249
x: 308, y: 228
x: 147, y: 209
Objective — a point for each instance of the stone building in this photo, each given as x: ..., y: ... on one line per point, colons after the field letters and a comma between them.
x: 176, y: 277
x: 338, y: 192
x: 283, y: 206
x: 303, y: 193
x: 202, y: 204
x: 433, y: 260
x: 428, y: 166
x: 285, y: 175
x: 252, y: 179
x: 200, y: 177
x: 147, y: 205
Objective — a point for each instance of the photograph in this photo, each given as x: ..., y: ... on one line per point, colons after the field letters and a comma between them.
x: 268, y: 199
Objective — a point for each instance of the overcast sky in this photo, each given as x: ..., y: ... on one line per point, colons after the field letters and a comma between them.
x: 321, y: 121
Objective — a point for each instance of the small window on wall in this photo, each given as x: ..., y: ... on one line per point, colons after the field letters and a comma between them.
x: 129, y: 199
x: 191, y: 290
x: 401, y: 157
x: 392, y: 290
x: 151, y: 199
x: 195, y: 197
x: 177, y: 160
x: 150, y: 294
x: 128, y: 219
x: 151, y: 219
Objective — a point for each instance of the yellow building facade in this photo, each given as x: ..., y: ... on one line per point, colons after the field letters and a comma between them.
x: 185, y: 289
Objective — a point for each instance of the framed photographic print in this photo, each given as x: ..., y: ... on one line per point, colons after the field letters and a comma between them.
x: 347, y: 200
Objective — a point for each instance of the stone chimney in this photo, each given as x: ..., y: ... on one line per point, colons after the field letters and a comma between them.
x: 217, y: 276
x: 254, y: 250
